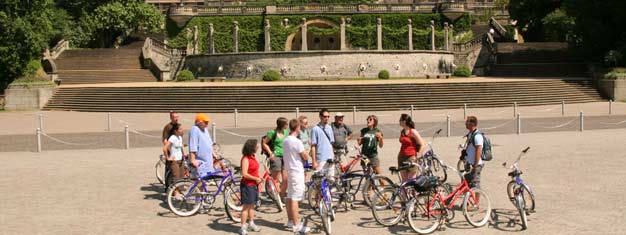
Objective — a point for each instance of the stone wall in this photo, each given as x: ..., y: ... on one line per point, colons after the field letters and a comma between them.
x: 614, y: 89
x: 320, y: 64
x: 20, y: 97
x: 478, y: 59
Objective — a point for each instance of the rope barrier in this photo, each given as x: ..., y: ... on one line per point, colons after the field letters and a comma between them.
x: 239, y: 135
x: 70, y: 143
x: 553, y: 127
x: 614, y: 124
x: 146, y: 135
x: 499, y: 125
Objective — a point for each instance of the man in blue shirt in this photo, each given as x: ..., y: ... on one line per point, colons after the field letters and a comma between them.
x: 201, y: 145
x: 321, y: 141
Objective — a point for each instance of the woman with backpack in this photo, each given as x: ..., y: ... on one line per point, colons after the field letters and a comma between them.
x: 273, y: 149
x: 412, y: 146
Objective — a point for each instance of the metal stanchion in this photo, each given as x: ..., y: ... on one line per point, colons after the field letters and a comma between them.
x: 297, y: 112
x: 108, y: 121
x: 213, y: 133
x: 39, y: 140
x: 353, y: 114
x: 412, y: 107
x: 563, y: 107
x: 127, y: 137
x: 610, y: 107
x: 448, y: 126
x: 519, y: 123
x: 464, y: 111
x: 236, y: 117
x: 41, y: 122
x: 582, y: 121
x: 514, y: 108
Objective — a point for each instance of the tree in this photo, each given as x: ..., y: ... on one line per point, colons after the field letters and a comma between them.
x: 529, y: 15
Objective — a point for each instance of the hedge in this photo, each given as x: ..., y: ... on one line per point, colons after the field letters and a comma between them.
x: 361, y: 32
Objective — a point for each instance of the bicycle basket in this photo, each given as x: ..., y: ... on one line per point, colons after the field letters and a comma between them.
x: 426, y: 183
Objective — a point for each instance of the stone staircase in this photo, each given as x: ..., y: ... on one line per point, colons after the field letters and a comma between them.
x: 537, y: 60
x: 90, y: 66
x: 373, y: 97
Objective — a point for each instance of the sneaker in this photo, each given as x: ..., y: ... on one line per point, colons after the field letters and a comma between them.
x: 301, y: 229
x: 254, y: 228
x: 243, y: 231
x: 290, y: 224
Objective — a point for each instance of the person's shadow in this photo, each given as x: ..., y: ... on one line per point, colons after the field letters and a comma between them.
x: 154, y: 191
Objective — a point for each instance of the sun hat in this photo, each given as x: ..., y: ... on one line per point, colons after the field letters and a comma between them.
x: 201, y: 117
x: 339, y: 114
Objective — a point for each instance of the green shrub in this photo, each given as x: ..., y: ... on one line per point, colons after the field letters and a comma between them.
x: 271, y: 75
x: 31, y: 68
x: 383, y: 74
x: 184, y: 75
x: 462, y: 71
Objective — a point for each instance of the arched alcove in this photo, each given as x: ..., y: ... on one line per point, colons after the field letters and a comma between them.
x: 315, y: 41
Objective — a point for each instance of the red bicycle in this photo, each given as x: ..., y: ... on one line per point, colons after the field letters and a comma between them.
x: 428, y: 211
x: 271, y: 187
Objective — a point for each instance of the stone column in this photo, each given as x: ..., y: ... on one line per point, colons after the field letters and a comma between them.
x: 410, y: 25
x: 342, y: 34
x: 451, y: 40
x: 432, y: 35
x: 268, y: 44
x: 236, y: 36
x: 304, y: 42
x: 195, y: 40
x: 445, y: 36
x: 379, y: 34
x: 189, y: 42
x: 211, y: 39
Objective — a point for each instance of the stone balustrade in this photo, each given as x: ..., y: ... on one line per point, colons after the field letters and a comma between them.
x: 162, y: 60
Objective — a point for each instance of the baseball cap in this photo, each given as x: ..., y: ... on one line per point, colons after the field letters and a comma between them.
x: 339, y: 114
x: 201, y: 117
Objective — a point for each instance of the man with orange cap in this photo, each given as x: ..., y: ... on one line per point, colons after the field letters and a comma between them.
x: 201, y: 145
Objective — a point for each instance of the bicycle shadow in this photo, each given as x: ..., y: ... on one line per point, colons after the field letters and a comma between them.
x: 506, y: 220
x: 224, y: 224
x: 154, y: 191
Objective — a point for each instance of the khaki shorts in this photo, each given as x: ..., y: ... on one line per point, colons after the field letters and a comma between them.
x: 403, y: 160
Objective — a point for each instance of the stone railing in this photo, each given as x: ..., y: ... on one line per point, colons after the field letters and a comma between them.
x: 497, y: 26
x: 424, y: 7
x: 162, y: 60
x: 59, y: 48
x: 470, y: 45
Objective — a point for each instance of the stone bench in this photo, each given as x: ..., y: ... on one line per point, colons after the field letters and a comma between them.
x: 212, y: 79
x: 438, y: 75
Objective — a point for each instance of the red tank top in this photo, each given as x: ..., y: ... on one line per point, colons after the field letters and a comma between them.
x: 253, y: 170
x: 407, y: 145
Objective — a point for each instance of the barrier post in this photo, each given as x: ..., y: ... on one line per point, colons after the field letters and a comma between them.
x: 464, y: 111
x: 236, y: 117
x: 39, y: 140
x: 127, y: 137
x: 514, y: 108
x: 448, y: 125
x: 582, y: 121
x: 108, y: 121
x: 41, y: 121
x: 297, y: 112
x: 563, y: 108
x: 412, y: 107
x: 610, y: 107
x: 353, y: 114
x: 519, y: 123
x: 213, y: 133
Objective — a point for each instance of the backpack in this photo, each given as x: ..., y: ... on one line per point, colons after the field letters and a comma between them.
x: 270, y: 144
x: 487, y: 154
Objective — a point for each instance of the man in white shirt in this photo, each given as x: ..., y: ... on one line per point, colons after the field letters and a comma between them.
x: 474, y: 150
x: 293, y: 156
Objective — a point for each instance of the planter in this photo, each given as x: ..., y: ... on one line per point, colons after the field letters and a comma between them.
x: 614, y: 89
x: 27, y: 96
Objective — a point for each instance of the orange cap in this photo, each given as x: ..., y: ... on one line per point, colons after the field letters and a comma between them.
x: 201, y: 117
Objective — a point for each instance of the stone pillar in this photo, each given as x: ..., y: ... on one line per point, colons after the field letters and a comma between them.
x: 236, y: 36
x: 342, y: 34
x: 379, y: 34
x: 451, y: 40
x: 189, y: 42
x: 445, y: 36
x: 304, y: 42
x: 432, y: 35
x: 195, y: 40
x: 410, y: 25
x: 211, y: 39
x: 268, y: 44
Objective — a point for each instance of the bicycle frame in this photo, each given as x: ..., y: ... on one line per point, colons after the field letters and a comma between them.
x: 267, y: 176
x: 228, y: 176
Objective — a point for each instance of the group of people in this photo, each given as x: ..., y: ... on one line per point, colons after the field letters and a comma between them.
x: 293, y: 143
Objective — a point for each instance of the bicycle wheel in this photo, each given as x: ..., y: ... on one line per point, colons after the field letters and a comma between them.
x: 374, y: 185
x: 159, y: 170
x: 325, y: 214
x: 387, y: 207
x: 529, y: 199
x: 519, y: 200
x: 273, y: 194
x: 425, y: 214
x: 509, y: 191
x: 312, y: 197
x: 476, y: 207
x: 232, y: 202
x: 439, y: 170
x: 187, y: 202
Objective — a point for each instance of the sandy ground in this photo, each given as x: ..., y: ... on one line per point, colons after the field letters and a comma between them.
x: 576, y: 176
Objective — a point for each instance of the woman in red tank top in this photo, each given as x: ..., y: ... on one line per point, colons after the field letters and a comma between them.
x: 411, y: 146
x: 249, y: 184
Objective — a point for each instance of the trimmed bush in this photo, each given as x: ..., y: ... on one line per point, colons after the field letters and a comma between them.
x: 271, y: 75
x: 184, y: 75
x: 383, y: 74
x: 462, y: 71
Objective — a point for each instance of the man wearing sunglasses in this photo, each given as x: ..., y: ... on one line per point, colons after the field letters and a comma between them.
x: 321, y: 141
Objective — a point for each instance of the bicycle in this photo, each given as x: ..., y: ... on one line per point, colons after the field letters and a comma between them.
x: 193, y: 194
x: 271, y: 188
x: 427, y: 216
x: 161, y: 169
x: 519, y: 193
x: 323, y: 198
x: 435, y: 164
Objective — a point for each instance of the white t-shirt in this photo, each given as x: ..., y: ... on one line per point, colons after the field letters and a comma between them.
x: 176, y: 145
x: 471, y: 149
x: 292, y: 147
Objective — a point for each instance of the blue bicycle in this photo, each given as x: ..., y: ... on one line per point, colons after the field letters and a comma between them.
x: 187, y: 196
x: 519, y: 193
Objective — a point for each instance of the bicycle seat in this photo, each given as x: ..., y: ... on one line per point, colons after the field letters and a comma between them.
x: 237, y: 168
x: 393, y: 169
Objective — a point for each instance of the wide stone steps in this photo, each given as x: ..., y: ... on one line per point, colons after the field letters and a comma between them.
x: 311, y: 98
x: 105, y: 76
x: 539, y: 70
